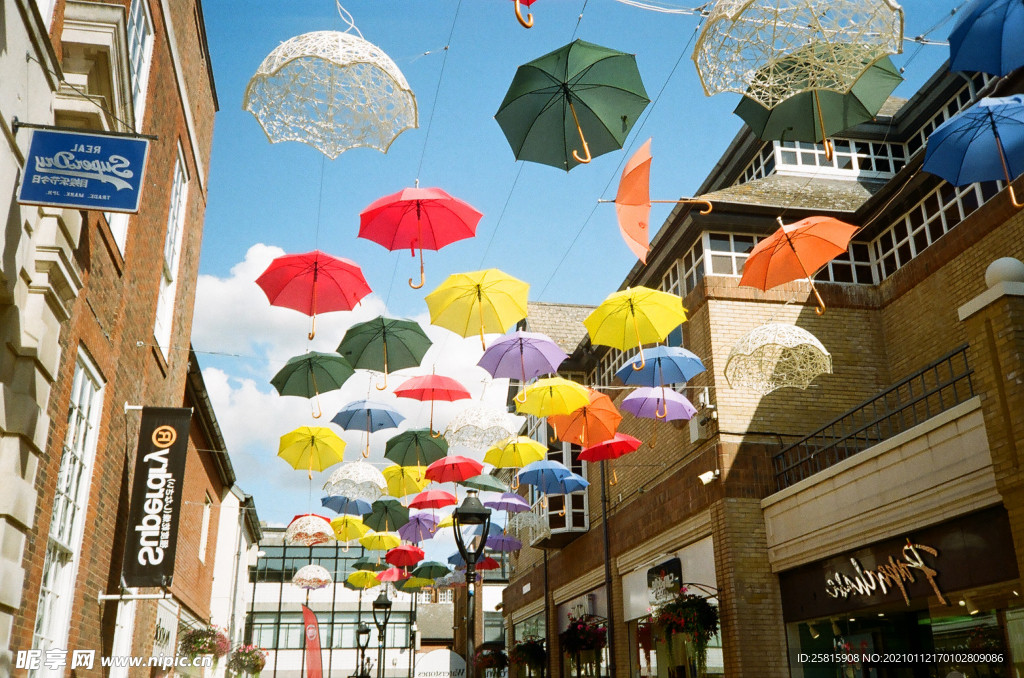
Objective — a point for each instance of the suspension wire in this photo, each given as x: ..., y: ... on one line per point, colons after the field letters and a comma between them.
x: 437, y: 91
x: 501, y: 216
x: 579, y: 19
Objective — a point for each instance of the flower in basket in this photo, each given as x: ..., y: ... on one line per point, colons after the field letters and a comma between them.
x: 207, y: 640
x: 491, y: 659
x: 529, y: 652
x: 582, y: 635
x: 247, y: 659
x: 692, y: 617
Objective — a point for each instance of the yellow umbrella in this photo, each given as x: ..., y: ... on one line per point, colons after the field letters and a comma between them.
x: 634, y: 317
x: 447, y: 521
x: 405, y: 480
x: 363, y: 579
x: 553, y: 395
x: 414, y: 584
x: 348, y: 528
x: 312, y: 447
x: 380, y: 541
x: 484, y: 301
x: 515, y: 453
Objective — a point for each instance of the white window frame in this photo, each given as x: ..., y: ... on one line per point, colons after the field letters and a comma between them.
x: 176, y: 214
x: 140, y: 55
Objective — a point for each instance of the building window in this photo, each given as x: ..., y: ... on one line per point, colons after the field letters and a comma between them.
x: 761, y: 166
x: 204, y: 534
x: 140, y: 52
x: 959, y: 101
x: 729, y: 252
x: 53, y: 614
x: 852, y: 267
x: 172, y: 255
x: 494, y: 627
x: 693, y: 265
x: 859, y: 158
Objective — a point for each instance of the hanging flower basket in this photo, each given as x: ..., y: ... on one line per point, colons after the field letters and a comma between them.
x: 583, y: 635
x: 491, y: 659
x: 203, y: 641
x: 247, y: 659
x: 529, y: 653
x: 688, y: 619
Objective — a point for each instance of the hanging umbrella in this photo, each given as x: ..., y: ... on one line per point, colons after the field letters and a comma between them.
x: 611, y: 449
x: 658, y: 403
x: 580, y: 91
x: 348, y: 528
x: 433, y: 499
x: 312, y: 448
x: 633, y: 202
x: 453, y: 469
x: 369, y: 565
x: 515, y: 453
x: 405, y: 480
x: 987, y: 38
x: 504, y: 543
x: 363, y: 579
x: 366, y: 415
x: 416, y: 584
x: 510, y: 502
x: 663, y: 365
x: 797, y: 251
x: 488, y: 563
x: 982, y: 143
x: 451, y: 581
x: 523, y: 356
x: 312, y: 577
x: 431, y: 569
x: 421, y: 526
x: 634, y: 317
x: 384, y: 343
x: 528, y: 21
x: 553, y: 395
x: 485, y: 483
x: 392, y: 575
x: 404, y: 556
x: 332, y: 90
x: 311, y: 374
x: 593, y: 423
x: 346, y: 506
x: 544, y: 475
x: 380, y: 541
x: 415, y: 447
x: 424, y: 218
x: 313, y: 283
x: 308, y: 530
x: 358, y: 480
x: 387, y: 515
x: 447, y: 521
x: 480, y: 427
x: 493, y: 299
x: 432, y: 387
x: 774, y: 356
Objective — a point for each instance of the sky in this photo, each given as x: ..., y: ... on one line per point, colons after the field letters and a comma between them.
x: 540, y: 224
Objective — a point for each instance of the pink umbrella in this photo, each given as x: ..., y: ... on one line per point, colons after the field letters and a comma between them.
x: 432, y: 387
x: 453, y: 469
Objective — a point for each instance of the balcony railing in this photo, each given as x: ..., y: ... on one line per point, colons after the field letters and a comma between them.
x: 931, y: 390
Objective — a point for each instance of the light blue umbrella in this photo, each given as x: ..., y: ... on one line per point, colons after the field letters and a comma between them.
x: 369, y: 416
x: 988, y: 38
x: 345, y: 506
x: 662, y: 365
x: 545, y: 475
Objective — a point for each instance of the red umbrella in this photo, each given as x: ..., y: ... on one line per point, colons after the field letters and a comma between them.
x: 453, y: 469
x: 611, y: 449
x: 432, y: 387
x: 427, y: 218
x: 392, y: 574
x: 433, y: 499
x: 488, y: 563
x: 404, y: 556
x: 313, y: 282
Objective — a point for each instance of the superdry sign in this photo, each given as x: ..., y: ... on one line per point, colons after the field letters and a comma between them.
x: 84, y: 171
x: 156, y: 496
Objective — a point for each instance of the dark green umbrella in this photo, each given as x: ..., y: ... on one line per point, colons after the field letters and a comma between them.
x: 415, y: 447
x: 580, y: 93
x: 485, y: 482
x: 311, y: 374
x: 431, y: 569
x: 370, y: 565
x: 384, y: 343
x: 800, y: 117
x: 387, y: 516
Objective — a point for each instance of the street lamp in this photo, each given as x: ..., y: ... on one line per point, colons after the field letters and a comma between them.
x: 363, y: 642
x: 381, y: 615
x: 471, y: 512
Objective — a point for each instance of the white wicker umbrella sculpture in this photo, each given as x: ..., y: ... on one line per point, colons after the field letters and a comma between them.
x: 528, y: 527
x: 750, y: 46
x: 332, y: 90
x: 775, y: 356
x: 312, y: 577
x: 481, y: 427
x: 357, y: 480
x: 309, y: 530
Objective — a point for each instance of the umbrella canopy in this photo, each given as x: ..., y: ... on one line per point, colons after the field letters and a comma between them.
x: 503, y: 543
x: 311, y: 447
x: 313, y: 283
x: 380, y: 541
x: 510, y: 502
x: 982, y: 143
x: 363, y: 579
x: 308, y: 530
x: 774, y: 356
x: 453, y: 469
x: 311, y: 374
x: 515, y: 453
x: 545, y: 476
x: 663, y: 365
x: 415, y: 447
x: 797, y: 251
x: 488, y: 563
x: 421, y: 526
x: 366, y: 415
x: 987, y: 38
x: 634, y: 317
x: 485, y: 483
x: 432, y: 387
x: 346, y: 506
x: 431, y: 569
x: 392, y: 575
x: 404, y: 556
x: 593, y: 423
x: 348, y: 528
x: 488, y: 301
x: 369, y: 565
x: 312, y: 577
x: 388, y: 514
x: 480, y: 427
x: 611, y: 449
x: 553, y: 395
x: 384, y: 343
x: 658, y: 403
x: 405, y: 480
x: 580, y: 95
x: 433, y: 499
x: 447, y: 521
x: 423, y: 218
x: 523, y: 356
x: 358, y: 480
x: 416, y: 584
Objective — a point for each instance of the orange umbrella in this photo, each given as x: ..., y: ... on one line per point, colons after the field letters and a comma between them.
x: 797, y: 251
x: 633, y: 202
x: 589, y: 425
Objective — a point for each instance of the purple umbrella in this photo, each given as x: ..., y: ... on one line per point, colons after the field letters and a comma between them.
x: 420, y: 527
x: 522, y: 355
x: 504, y: 542
x: 658, y: 403
x: 509, y: 501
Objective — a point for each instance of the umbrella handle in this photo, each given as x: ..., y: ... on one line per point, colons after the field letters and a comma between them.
x: 643, y: 361
x: 615, y: 477
x: 312, y: 329
x: 385, y: 385
x: 423, y: 277
x: 661, y: 415
x: 1006, y: 170
x: 483, y: 344
x: 654, y: 435
x: 319, y: 410
x: 829, y: 148
x: 521, y: 396
x: 586, y: 149
x: 528, y: 21
x: 515, y: 482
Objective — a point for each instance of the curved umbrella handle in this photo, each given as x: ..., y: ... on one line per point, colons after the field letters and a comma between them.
x: 312, y: 329
x: 483, y: 344
x: 366, y: 452
x: 515, y: 482
x: 661, y: 415
x: 528, y: 21
x: 521, y: 396
x: 423, y: 277
x: 643, y: 361
x: 1006, y: 170
x: 820, y: 308
x: 1013, y: 197
x: 319, y: 410
x: 385, y: 385
x: 586, y: 148
x: 654, y: 435
x: 615, y: 477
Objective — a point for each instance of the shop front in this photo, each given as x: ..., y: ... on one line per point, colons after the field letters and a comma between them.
x: 583, y: 635
x: 940, y: 602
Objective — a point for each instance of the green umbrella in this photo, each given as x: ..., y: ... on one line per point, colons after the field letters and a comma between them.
x: 384, y: 343
x: 484, y: 482
x: 580, y: 93
x: 415, y: 447
x: 370, y: 565
x: 311, y: 374
x: 800, y: 117
x: 431, y: 569
x: 387, y: 516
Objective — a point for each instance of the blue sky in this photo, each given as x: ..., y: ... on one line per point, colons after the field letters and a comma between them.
x: 265, y: 196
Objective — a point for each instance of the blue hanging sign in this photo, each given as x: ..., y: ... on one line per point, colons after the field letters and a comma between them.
x: 84, y: 171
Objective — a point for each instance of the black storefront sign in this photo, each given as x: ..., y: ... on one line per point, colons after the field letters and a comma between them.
x: 156, y: 496
x: 963, y: 553
x: 663, y: 581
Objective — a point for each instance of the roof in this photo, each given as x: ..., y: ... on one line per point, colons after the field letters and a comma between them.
x: 562, y: 322
x: 195, y: 387
x: 891, y: 106
x: 790, y: 192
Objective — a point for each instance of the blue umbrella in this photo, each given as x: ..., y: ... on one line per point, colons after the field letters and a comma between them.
x: 369, y: 416
x: 987, y: 38
x: 344, y: 505
x: 663, y: 365
x: 982, y: 143
x: 545, y: 475
x: 572, y: 483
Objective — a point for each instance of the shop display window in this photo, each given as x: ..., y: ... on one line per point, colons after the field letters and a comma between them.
x: 652, y: 657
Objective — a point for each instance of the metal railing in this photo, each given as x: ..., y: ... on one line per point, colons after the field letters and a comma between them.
x: 931, y: 390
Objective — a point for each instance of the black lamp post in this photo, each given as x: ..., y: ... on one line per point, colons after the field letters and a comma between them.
x: 471, y: 512
x: 363, y: 642
x: 381, y: 615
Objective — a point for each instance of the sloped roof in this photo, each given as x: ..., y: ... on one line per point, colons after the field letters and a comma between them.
x: 789, y: 192
x: 562, y: 322
x: 891, y: 106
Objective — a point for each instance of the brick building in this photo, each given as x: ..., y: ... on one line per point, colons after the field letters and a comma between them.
x: 911, y: 439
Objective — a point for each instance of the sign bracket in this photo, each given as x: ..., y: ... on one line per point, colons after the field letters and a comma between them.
x: 16, y: 124
x: 105, y: 597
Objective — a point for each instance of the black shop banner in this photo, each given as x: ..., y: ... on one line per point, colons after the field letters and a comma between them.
x: 156, y: 496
